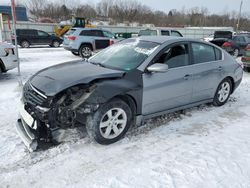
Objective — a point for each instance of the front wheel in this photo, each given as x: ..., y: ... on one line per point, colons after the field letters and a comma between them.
x: 223, y: 92
x: 110, y: 122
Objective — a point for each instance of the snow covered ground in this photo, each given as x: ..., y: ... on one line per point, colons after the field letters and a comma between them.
x: 201, y: 147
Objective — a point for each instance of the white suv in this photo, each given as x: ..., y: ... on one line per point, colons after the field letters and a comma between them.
x: 8, y: 58
x: 160, y: 32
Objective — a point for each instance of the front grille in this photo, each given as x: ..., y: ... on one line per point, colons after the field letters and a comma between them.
x: 31, y: 96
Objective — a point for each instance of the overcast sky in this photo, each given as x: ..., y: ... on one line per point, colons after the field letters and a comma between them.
x: 214, y: 6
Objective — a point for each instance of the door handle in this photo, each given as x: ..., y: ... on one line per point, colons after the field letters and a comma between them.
x: 186, y: 77
x: 220, y: 68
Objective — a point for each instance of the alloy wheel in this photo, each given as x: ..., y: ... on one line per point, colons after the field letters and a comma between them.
x: 113, y: 123
x: 224, y: 92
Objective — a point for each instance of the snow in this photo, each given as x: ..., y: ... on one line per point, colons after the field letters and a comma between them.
x: 205, y: 146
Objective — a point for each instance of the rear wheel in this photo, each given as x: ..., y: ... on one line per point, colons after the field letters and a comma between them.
x: 223, y: 92
x: 25, y: 44
x: 110, y: 122
x: 85, y: 51
x: 55, y: 43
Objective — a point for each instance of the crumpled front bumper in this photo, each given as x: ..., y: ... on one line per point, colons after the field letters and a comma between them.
x: 25, y: 133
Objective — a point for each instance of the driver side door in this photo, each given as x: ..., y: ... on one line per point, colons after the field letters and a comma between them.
x: 171, y: 89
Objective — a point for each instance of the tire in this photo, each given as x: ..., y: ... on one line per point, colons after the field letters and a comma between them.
x: 105, y: 127
x: 85, y: 51
x: 25, y: 44
x: 236, y: 52
x: 55, y: 43
x: 223, y: 92
x: 75, y: 53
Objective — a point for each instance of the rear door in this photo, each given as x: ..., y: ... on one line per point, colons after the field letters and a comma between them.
x: 164, y: 91
x: 101, y: 41
x: 207, y: 70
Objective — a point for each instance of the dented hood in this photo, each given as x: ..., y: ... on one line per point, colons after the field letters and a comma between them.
x: 55, y: 79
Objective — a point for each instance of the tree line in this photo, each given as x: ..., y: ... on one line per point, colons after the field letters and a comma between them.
x: 128, y: 11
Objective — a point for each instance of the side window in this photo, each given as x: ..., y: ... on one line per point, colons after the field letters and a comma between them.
x: 85, y: 33
x: 175, y: 56
x: 203, y: 53
x: 96, y: 33
x: 42, y: 34
x: 164, y: 32
x: 108, y: 34
x: 176, y: 34
x: 218, y: 54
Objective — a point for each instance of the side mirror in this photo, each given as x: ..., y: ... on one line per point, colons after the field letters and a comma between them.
x: 158, y: 67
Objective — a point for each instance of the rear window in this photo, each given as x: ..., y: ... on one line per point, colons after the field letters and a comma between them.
x: 94, y: 33
x: 176, y: 34
x: 164, y: 33
x: 70, y: 32
x: 147, y: 32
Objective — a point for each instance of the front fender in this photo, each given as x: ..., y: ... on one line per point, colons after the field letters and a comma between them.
x: 130, y: 85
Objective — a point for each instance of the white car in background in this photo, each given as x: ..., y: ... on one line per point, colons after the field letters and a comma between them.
x: 8, y: 58
x: 209, y: 38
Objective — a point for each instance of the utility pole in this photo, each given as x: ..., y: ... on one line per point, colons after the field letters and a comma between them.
x: 239, y: 16
x: 13, y: 11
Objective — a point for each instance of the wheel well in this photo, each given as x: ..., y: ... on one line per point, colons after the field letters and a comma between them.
x: 130, y: 101
x: 88, y: 44
x: 2, y: 67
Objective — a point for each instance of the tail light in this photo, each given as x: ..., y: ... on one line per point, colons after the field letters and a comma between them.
x: 247, y: 48
x: 227, y: 44
x: 111, y: 42
x: 71, y: 37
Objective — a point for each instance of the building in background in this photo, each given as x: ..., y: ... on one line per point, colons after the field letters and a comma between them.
x: 21, y: 12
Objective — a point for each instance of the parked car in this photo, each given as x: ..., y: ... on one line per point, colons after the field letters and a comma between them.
x: 234, y: 46
x: 160, y: 32
x: 28, y: 37
x: 8, y: 58
x: 209, y: 38
x: 223, y: 34
x: 123, y: 85
x: 85, y: 41
x: 246, y: 59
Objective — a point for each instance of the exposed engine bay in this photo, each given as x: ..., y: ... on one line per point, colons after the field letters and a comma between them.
x: 65, y: 110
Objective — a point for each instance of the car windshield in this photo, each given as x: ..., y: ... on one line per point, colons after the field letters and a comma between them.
x: 125, y: 55
x: 147, y: 32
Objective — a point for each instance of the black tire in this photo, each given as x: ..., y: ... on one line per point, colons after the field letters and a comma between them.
x: 93, y: 124
x: 220, y: 100
x: 55, y: 43
x: 85, y: 51
x: 25, y: 44
x: 246, y: 69
x: 75, y: 53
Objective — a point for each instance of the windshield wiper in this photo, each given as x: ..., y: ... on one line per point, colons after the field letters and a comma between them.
x: 96, y: 63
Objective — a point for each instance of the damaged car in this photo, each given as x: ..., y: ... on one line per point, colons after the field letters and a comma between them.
x: 123, y: 85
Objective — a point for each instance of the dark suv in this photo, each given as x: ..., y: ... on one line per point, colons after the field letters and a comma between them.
x: 27, y: 37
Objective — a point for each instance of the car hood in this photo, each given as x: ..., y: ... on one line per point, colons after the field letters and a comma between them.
x: 55, y: 79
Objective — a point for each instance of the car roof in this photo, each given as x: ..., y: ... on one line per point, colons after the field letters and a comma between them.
x: 163, y: 39
x: 80, y: 28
